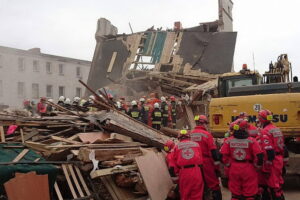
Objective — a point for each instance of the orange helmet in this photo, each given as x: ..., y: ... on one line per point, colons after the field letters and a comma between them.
x: 169, y: 145
x: 201, y: 119
x: 265, y: 116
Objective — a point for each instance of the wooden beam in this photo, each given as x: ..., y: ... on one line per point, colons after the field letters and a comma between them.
x: 2, y: 134
x: 57, y: 191
x: 65, y: 170
x: 112, y: 61
x: 113, y: 170
x: 86, y: 189
x: 21, y: 155
x: 64, y: 140
x: 22, y: 135
x: 75, y: 180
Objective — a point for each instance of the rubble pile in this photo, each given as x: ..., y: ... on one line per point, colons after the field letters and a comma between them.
x: 75, y: 155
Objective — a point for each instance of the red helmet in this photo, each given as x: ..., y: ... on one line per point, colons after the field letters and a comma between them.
x: 240, y: 129
x: 183, y: 134
x: 43, y: 99
x: 243, y: 115
x: 169, y: 145
x: 265, y: 116
x: 240, y: 125
x: 172, y: 98
x: 201, y: 119
x: 110, y: 96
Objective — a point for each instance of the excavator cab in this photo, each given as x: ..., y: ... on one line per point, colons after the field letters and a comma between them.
x: 231, y: 80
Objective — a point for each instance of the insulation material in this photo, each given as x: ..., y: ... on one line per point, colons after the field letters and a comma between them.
x: 208, y: 52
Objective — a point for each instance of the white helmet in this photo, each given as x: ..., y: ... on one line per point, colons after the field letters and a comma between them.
x: 76, y: 99
x: 50, y: 100
x: 67, y: 101
x: 119, y: 104
x: 163, y: 99
x: 142, y: 99
x: 92, y: 97
x: 133, y: 103
x: 61, y: 98
x: 156, y: 105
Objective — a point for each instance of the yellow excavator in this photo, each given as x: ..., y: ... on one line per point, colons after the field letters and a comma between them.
x: 248, y: 91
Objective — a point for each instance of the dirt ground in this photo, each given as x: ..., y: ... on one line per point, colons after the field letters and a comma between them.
x: 291, y: 189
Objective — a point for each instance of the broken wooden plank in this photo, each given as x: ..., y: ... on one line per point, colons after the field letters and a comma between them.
x: 112, y: 61
x: 154, y: 171
x: 107, y: 154
x: 75, y: 180
x: 65, y: 170
x: 22, y: 135
x: 2, y: 134
x: 86, y: 189
x: 21, y: 155
x: 113, y: 170
x: 190, y: 117
x: 93, y: 137
x: 64, y: 140
x: 57, y: 191
x: 114, y: 145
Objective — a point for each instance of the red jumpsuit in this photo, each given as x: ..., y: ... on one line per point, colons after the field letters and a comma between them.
x: 264, y: 173
x: 241, y: 153
x: 207, y: 144
x: 188, y: 159
x: 275, y: 180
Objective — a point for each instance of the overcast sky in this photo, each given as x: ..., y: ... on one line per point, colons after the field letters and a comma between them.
x: 266, y: 28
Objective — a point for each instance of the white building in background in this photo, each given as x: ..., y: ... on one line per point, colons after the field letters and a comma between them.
x: 30, y: 74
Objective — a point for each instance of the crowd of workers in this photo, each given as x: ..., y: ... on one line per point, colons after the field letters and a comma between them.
x: 152, y: 111
x: 253, y: 158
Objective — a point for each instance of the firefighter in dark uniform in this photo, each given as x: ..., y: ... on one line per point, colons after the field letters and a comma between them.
x: 173, y: 111
x: 165, y: 111
x: 144, y: 111
x: 134, y: 111
x: 156, y: 117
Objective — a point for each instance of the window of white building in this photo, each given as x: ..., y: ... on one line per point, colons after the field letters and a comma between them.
x: 1, y: 61
x: 49, y: 91
x: 36, y: 67
x: 21, y: 89
x: 21, y: 64
x: 78, y: 72
x: 35, y: 91
x: 48, y: 67
x: 61, y: 91
x: 78, y: 92
x: 1, y: 88
x: 61, y: 69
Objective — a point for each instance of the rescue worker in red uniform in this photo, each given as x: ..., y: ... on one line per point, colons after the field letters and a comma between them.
x: 239, y: 153
x: 42, y: 107
x: 210, y: 154
x: 275, y: 180
x: 188, y: 159
x: 264, y: 173
x: 168, y: 148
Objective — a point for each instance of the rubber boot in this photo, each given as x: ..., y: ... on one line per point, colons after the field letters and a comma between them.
x: 217, y: 194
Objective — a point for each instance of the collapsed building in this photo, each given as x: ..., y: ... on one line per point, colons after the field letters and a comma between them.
x: 169, y: 62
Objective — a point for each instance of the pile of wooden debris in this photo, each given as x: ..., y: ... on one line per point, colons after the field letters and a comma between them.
x: 73, y: 155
